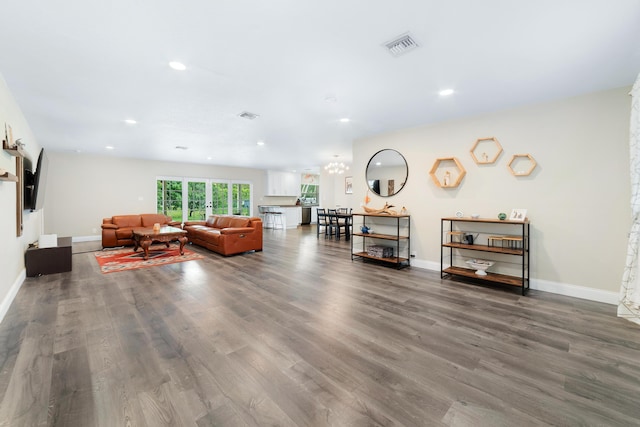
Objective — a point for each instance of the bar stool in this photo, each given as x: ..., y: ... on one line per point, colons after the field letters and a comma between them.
x: 276, y: 217
x: 264, y: 214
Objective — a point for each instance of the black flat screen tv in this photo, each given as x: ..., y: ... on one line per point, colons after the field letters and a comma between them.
x: 35, y: 182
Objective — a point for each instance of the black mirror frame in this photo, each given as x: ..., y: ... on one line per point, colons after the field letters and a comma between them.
x: 406, y: 177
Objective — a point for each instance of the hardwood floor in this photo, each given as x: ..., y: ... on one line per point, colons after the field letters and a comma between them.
x: 299, y: 335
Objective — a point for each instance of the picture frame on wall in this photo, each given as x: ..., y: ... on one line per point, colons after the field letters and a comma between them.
x: 518, y: 215
x: 348, y: 185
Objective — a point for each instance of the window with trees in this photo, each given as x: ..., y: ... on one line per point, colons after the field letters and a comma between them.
x: 188, y: 199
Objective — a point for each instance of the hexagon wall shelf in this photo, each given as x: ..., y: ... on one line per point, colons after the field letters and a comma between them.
x: 486, y: 150
x: 447, y: 172
x: 521, y: 164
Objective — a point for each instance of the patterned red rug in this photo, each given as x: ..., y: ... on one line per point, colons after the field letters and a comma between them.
x: 126, y: 259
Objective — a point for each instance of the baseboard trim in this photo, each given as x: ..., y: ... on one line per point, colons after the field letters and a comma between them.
x: 85, y: 238
x: 565, y: 289
x: 576, y: 291
x: 11, y: 295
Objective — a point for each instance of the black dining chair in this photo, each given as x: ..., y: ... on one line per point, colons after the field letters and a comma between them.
x: 336, y: 223
x: 322, y: 221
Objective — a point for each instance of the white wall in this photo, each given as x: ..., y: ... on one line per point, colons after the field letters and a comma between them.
x: 12, y: 270
x: 577, y: 197
x: 82, y: 189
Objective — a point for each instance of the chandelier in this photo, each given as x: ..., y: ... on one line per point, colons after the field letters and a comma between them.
x: 336, y: 167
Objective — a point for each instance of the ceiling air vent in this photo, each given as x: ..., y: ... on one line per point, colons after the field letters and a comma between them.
x: 248, y: 115
x: 401, y: 45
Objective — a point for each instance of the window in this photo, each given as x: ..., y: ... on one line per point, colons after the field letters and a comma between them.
x: 220, y: 198
x: 241, y: 199
x: 193, y: 199
x: 169, y: 198
x: 310, y: 189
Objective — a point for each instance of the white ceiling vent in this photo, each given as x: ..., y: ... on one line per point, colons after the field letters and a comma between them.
x: 248, y: 115
x: 401, y: 45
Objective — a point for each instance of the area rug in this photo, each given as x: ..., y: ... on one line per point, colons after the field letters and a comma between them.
x: 126, y: 259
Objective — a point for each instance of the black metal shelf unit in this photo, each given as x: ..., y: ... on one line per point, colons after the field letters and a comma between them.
x: 517, y: 245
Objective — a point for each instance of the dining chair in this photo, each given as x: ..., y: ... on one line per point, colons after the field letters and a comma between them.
x: 335, y: 223
x: 322, y: 221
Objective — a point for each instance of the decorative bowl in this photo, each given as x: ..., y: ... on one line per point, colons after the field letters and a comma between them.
x: 480, y: 265
x: 475, y: 216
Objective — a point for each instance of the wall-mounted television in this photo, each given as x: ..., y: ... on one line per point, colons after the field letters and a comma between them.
x: 35, y: 182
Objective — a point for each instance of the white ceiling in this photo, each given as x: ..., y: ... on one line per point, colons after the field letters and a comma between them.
x: 79, y: 68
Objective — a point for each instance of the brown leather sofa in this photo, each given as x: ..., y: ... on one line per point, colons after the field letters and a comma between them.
x: 118, y: 230
x: 226, y: 234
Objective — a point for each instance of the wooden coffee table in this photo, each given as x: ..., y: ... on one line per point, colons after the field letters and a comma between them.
x: 166, y: 234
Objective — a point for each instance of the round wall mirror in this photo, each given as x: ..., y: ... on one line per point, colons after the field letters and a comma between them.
x: 387, y: 173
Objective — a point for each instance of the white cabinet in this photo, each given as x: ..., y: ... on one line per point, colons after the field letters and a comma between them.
x: 293, y: 216
x: 282, y: 184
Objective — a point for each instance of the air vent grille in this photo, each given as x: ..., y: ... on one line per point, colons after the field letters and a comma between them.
x: 401, y: 45
x: 248, y: 115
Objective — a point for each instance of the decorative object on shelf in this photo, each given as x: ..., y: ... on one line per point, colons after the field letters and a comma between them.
x: 8, y: 136
x: 459, y: 214
x: 367, y: 198
x: 469, y: 238
x: 480, y: 266
x: 502, y: 216
x: 521, y: 165
x: 348, y: 185
x: 365, y: 229
x: 387, y: 173
x: 380, y: 251
x: 475, y: 216
x: 518, y: 215
x: 385, y: 210
x: 489, y: 148
x: 404, y: 211
x: 455, y: 236
x: 453, y: 172
x: 336, y: 167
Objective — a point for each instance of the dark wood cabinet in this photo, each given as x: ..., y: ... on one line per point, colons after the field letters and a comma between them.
x: 41, y: 261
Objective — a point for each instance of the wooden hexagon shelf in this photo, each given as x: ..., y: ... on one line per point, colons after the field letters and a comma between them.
x: 447, y: 172
x: 489, y: 148
x: 521, y: 164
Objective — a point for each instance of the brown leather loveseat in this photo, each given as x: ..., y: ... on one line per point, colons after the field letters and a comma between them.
x: 118, y: 230
x: 226, y: 234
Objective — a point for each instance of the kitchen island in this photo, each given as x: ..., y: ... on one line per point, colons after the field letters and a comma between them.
x: 291, y: 215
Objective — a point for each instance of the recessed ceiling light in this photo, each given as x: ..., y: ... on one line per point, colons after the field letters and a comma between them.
x: 177, y: 65
x: 345, y: 120
x: 109, y: 147
x: 331, y: 98
x: 181, y: 147
x: 446, y: 92
x: 130, y: 121
x: 260, y: 142
x: 209, y: 158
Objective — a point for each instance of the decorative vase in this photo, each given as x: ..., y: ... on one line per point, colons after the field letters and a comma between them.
x: 364, y: 229
x: 502, y: 216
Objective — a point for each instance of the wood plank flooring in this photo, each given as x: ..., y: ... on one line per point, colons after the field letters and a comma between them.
x: 299, y: 335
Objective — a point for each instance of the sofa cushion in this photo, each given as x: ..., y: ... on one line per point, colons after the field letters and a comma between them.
x: 239, y: 222
x: 149, y: 219
x: 211, y: 220
x: 222, y: 221
x: 127, y: 221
